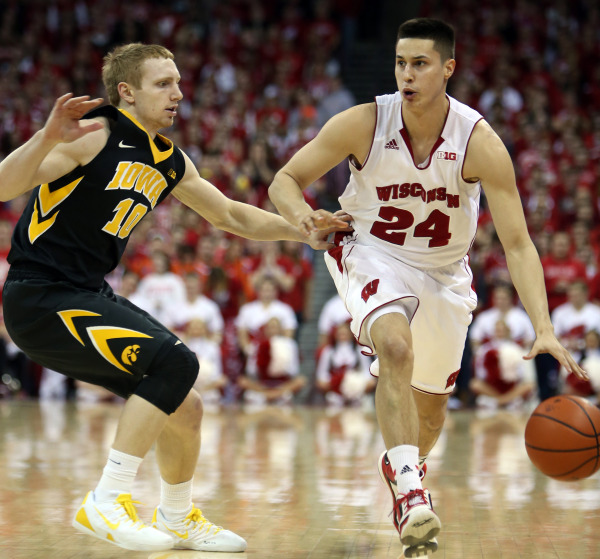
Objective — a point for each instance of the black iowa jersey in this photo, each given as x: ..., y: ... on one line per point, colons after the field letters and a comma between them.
x: 76, y: 227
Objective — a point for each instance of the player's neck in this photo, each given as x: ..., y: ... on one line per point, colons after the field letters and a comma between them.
x: 130, y: 109
x: 426, y: 123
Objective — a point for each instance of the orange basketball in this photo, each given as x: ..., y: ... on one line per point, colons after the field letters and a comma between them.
x: 562, y: 438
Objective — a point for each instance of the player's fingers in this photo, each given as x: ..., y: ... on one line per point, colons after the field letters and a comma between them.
x: 76, y: 100
x: 341, y: 214
x: 76, y: 107
x: 322, y: 220
x: 570, y: 365
x: 576, y: 369
x: 63, y: 99
x: 91, y: 127
x: 323, y: 245
x: 305, y: 228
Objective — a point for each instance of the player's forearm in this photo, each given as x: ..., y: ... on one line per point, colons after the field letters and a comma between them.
x: 528, y: 277
x: 286, y: 195
x: 260, y: 225
x: 18, y: 169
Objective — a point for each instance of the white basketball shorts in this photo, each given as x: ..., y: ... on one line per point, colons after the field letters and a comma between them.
x: 438, y: 303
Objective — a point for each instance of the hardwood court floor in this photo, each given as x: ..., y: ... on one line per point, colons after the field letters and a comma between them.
x: 297, y: 483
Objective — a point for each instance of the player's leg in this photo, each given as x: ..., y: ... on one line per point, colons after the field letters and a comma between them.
x: 432, y: 410
x: 398, y: 419
x: 382, y: 296
x: 167, y: 377
x: 108, y: 512
x: 395, y: 406
x: 439, y: 333
x: 177, y: 451
x: 178, y: 445
x: 94, y: 337
x: 139, y: 426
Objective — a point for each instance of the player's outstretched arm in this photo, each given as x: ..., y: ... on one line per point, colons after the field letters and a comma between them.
x: 20, y: 171
x: 488, y: 160
x: 348, y: 133
x: 239, y: 218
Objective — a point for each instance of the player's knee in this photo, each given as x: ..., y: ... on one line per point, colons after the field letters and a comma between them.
x: 170, y: 378
x: 433, y: 419
x: 189, y: 415
x: 395, y: 352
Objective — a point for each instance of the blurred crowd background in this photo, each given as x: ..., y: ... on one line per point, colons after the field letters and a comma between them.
x: 259, y: 80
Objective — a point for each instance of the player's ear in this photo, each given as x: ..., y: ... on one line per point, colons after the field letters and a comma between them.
x: 125, y: 92
x: 449, y: 66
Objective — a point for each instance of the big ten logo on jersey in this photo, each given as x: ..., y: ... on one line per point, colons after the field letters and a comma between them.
x: 140, y: 178
x: 447, y: 155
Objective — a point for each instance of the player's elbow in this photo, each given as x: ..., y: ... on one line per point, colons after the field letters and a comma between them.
x: 282, y: 181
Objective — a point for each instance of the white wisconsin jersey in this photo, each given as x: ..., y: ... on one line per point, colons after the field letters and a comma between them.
x: 422, y: 213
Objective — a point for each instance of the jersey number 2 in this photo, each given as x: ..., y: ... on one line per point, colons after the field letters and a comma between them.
x: 125, y: 220
x: 392, y: 230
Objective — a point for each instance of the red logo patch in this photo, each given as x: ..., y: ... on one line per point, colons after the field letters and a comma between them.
x: 369, y: 289
x: 452, y: 379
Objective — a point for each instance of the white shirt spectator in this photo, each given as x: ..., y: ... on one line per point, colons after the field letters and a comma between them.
x: 572, y: 323
x: 521, y: 329
x: 254, y: 315
x: 334, y: 312
x: 161, y: 295
x: 203, y: 309
x: 210, y: 374
x: 342, y: 355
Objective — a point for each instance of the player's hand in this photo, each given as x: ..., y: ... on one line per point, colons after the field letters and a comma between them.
x: 63, y: 124
x: 547, y: 343
x: 339, y: 221
x: 321, y: 220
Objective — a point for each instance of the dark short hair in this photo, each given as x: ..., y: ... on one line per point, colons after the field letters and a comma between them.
x: 437, y: 30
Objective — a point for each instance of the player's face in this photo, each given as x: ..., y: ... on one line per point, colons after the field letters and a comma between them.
x: 421, y: 75
x: 157, y: 98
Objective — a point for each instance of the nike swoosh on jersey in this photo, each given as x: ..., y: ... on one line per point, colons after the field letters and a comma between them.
x: 108, y: 522
x: 122, y: 145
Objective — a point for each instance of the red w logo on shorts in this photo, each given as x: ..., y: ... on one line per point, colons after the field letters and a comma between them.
x: 452, y: 379
x: 369, y: 289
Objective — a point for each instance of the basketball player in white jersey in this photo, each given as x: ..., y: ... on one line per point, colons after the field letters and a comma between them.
x: 418, y: 160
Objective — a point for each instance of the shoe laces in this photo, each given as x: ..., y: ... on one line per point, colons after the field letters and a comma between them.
x: 414, y: 497
x: 201, y: 523
x: 129, y: 507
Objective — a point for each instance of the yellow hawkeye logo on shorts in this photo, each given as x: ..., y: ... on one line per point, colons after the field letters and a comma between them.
x: 130, y: 354
x: 100, y: 337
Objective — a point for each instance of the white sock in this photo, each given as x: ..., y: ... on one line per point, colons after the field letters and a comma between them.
x: 404, y: 459
x: 117, y: 476
x: 175, y: 500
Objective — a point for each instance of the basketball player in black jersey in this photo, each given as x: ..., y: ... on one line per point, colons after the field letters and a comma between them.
x: 95, y: 175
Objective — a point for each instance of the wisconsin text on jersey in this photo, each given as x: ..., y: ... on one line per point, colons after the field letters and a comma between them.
x: 416, y: 190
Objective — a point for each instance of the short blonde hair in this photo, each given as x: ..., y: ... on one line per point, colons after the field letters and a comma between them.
x: 124, y: 64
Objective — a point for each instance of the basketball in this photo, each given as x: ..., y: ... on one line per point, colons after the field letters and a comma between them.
x: 562, y: 438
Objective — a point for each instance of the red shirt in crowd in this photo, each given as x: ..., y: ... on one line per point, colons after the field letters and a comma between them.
x: 558, y: 274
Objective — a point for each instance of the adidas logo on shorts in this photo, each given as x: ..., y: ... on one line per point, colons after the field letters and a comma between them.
x: 392, y: 145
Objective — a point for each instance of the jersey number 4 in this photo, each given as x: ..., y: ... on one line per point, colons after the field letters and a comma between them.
x: 125, y: 220
x: 397, y: 220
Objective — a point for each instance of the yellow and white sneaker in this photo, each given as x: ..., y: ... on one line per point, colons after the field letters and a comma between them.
x: 197, y: 533
x: 117, y: 522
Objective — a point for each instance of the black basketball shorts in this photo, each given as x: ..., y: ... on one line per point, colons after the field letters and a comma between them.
x: 94, y: 336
